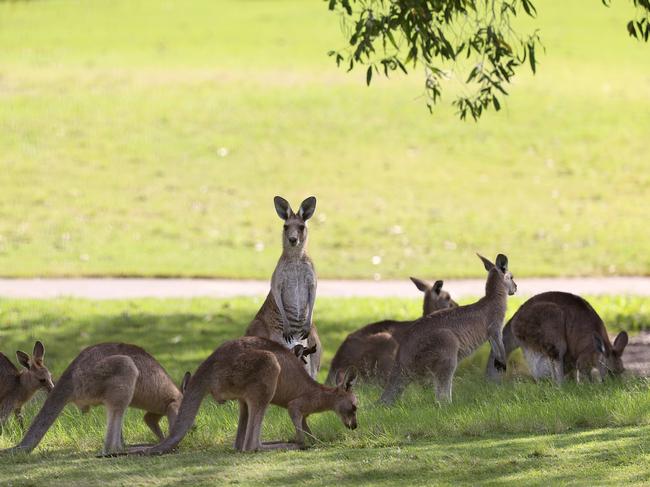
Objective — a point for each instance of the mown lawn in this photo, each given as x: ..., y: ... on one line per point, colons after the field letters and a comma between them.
x: 514, y: 432
x: 148, y: 138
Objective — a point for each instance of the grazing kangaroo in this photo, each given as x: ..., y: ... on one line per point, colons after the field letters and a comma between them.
x: 258, y: 372
x: 434, y: 344
x: 117, y: 375
x: 372, y: 348
x: 563, y: 330
x: 18, y: 386
x: 286, y: 314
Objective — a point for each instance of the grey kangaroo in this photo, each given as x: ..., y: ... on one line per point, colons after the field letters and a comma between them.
x: 560, y: 332
x: 18, y: 386
x: 258, y: 372
x: 434, y: 344
x: 372, y: 348
x: 286, y: 315
x: 116, y: 375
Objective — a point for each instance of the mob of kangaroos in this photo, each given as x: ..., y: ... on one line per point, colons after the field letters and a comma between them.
x: 276, y: 363
x: 286, y: 314
x: 116, y: 375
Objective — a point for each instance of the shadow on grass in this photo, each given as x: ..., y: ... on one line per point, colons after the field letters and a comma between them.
x: 602, y: 456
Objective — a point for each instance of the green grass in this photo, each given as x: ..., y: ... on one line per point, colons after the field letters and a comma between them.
x: 110, y: 138
x: 514, y: 432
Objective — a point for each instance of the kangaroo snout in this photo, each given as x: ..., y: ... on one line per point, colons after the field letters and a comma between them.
x: 351, y: 424
x: 293, y: 241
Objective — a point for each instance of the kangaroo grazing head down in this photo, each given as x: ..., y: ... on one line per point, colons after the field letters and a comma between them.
x: 501, y: 266
x: 346, y: 401
x: 35, y: 376
x: 611, y: 361
x: 295, y: 229
x: 434, y: 296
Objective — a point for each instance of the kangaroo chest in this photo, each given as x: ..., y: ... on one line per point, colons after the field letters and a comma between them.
x: 296, y: 280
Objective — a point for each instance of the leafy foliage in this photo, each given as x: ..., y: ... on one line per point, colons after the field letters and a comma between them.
x: 472, y: 41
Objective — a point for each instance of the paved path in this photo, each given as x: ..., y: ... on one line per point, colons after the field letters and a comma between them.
x: 120, y: 288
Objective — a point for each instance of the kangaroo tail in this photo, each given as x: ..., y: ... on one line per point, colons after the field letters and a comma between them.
x: 195, y: 391
x: 52, y: 407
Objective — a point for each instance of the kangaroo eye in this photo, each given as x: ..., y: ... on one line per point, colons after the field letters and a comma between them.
x: 301, y: 227
x: 43, y: 381
x: 286, y: 227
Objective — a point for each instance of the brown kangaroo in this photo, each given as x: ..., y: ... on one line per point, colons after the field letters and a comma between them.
x: 18, y: 387
x: 258, y: 372
x: 286, y: 314
x: 434, y: 344
x: 117, y: 375
x: 372, y: 348
x: 560, y: 332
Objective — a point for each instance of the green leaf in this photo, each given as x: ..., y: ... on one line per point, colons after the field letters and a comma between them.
x: 368, y: 75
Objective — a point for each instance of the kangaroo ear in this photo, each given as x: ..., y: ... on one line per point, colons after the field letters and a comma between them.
x: 23, y: 359
x: 437, y: 286
x: 282, y: 207
x: 39, y: 351
x: 600, y: 345
x: 502, y: 263
x: 488, y: 265
x: 347, y: 379
x: 420, y: 284
x: 307, y: 208
x: 620, y: 343
x: 185, y: 381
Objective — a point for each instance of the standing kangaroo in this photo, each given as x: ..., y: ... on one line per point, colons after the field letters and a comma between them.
x: 286, y: 315
x: 560, y: 332
x: 372, y: 348
x: 117, y: 375
x: 258, y: 372
x: 18, y: 387
x: 434, y: 344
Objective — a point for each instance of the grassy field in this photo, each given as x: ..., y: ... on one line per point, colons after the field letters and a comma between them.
x: 148, y: 138
x: 512, y: 433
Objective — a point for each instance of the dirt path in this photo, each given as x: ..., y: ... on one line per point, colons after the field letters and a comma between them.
x: 126, y: 288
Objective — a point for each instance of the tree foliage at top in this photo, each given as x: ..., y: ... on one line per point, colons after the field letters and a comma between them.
x: 472, y: 41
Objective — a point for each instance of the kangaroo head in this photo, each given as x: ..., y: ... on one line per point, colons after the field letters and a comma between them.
x: 500, y: 269
x: 346, y: 403
x: 611, y: 360
x: 434, y: 297
x: 295, y: 229
x: 35, y: 376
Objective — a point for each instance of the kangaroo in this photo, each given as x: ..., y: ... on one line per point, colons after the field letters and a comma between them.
x: 18, y: 386
x: 117, y: 375
x: 435, y: 344
x: 258, y: 372
x: 286, y: 314
x: 372, y: 348
x: 561, y: 332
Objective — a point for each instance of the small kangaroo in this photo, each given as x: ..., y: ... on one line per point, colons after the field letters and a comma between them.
x: 434, y: 344
x: 560, y: 332
x: 18, y: 386
x: 258, y: 372
x: 286, y: 314
x: 372, y: 348
x: 117, y: 375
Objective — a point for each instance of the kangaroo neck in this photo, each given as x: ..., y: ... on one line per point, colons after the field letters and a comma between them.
x: 321, y: 398
x: 495, y: 299
x: 293, y: 252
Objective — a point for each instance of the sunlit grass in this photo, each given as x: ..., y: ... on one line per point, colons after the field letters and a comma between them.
x: 152, y: 141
